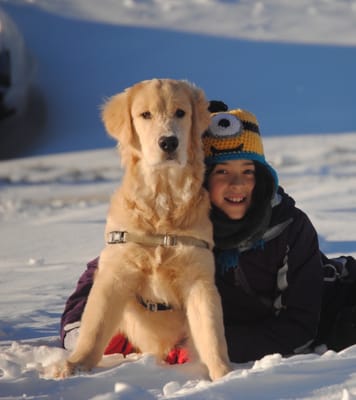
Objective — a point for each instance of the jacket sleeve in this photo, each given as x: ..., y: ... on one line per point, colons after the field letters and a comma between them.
x: 294, y: 328
x: 77, y: 300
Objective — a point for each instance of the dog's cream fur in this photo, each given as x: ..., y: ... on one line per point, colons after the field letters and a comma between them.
x: 161, y: 193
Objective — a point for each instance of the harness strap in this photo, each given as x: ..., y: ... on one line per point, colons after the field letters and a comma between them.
x: 154, y: 307
x: 118, y: 237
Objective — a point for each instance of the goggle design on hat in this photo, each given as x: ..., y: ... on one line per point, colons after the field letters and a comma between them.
x: 232, y: 135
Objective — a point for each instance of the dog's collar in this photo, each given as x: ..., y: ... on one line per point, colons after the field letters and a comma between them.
x: 154, y: 306
x: 117, y: 237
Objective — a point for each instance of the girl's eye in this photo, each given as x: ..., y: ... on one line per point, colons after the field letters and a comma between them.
x: 249, y: 172
x: 221, y: 171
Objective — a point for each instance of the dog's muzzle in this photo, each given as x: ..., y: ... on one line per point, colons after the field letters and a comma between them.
x: 168, y: 144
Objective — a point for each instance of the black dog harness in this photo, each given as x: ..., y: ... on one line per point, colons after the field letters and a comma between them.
x: 154, y: 307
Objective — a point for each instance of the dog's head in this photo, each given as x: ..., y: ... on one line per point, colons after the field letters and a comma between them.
x: 158, y: 121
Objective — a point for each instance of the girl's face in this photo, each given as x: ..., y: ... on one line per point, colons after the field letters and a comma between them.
x: 231, y: 184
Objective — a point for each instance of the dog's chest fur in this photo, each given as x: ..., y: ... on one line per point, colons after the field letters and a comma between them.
x: 170, y: 200
x: 167, y: 201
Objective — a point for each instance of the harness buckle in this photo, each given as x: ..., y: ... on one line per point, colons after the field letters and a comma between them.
x: 117, y: 237
x: 169, y: 240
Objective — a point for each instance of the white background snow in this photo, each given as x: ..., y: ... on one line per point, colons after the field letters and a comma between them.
x: 291, y: 62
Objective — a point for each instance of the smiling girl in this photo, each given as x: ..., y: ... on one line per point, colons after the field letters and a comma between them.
x: 279, y: 293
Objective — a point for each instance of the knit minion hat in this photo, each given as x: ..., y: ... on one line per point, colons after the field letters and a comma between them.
x: 234, y: 135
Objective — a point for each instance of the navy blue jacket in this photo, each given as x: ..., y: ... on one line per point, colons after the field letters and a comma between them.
x: 272, y: 300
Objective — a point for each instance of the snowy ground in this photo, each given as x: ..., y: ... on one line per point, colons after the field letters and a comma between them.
x: 52, y: 215
x: 292, y: 63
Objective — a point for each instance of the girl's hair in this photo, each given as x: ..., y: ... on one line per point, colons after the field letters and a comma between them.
x: 264, y: 187
x: 262, y: 194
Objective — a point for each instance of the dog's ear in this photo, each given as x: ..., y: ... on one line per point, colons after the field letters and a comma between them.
x: 200, y: 117
x: 116, y: 117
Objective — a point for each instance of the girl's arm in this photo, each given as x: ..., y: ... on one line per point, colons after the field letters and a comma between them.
x: 72, y: 314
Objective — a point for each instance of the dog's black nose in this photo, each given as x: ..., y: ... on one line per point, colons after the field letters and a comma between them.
x: 168, y: 143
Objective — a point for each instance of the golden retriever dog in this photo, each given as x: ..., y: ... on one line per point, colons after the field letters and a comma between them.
x: 155, y: 280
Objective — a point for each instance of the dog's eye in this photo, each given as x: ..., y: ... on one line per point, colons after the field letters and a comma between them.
x: 180, y: 113
x: 146, y: 115
x: 224, y: 124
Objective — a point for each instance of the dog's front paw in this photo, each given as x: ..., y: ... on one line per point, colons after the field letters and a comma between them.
x: 219, y: 371
x: 60, y: 370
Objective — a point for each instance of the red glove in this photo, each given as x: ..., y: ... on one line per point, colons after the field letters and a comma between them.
x: 120, y: 344
x: 178, y: 355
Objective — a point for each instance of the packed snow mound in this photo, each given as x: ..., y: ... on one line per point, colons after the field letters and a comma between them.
x: 271, y: 20
x: 23, y: 368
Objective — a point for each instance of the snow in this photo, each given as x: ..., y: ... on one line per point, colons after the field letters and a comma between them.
x: 53, y: 204
x: 324, y: 21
